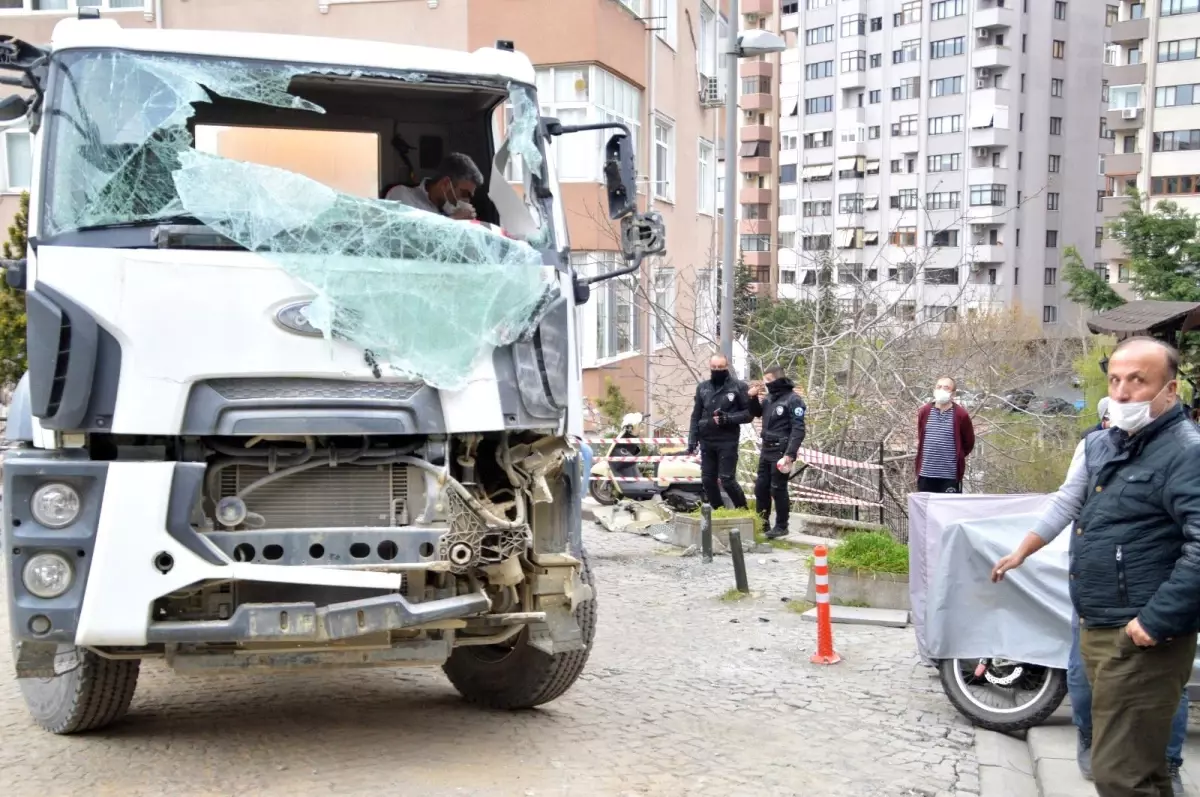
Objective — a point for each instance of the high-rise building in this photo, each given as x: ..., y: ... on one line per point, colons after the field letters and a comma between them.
x: 929, y: 157
x: 1152, y: 83
x: 652, y: 64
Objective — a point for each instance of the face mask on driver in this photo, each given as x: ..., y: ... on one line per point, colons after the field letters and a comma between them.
x: 1131, y: 416
x: 450, y: 208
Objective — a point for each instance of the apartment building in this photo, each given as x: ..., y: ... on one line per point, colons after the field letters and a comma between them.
x: 652, y: 64
x: 932, y: 157
x: 1152, y: 81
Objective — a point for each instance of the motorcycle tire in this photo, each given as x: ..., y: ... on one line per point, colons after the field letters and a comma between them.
x: 603, y: 492
x: 1034, y: 711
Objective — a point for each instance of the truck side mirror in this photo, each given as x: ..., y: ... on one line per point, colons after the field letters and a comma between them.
x: 620, y: 176
x: 13, y: 107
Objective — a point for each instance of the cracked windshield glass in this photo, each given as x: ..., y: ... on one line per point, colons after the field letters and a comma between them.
x: 427, y: 294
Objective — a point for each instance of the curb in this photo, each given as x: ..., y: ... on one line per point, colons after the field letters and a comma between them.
x: 1052, y: 748
x: 1005, y: 766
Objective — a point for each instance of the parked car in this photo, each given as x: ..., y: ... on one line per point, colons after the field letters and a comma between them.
x: 1045, y: 405
x: 1018, y: 399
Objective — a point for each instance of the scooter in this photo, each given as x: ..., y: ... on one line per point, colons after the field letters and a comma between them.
x: 676, y: 480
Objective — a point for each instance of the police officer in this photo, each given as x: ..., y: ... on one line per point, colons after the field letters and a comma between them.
x: 782, y: 412
x: 720, y: 409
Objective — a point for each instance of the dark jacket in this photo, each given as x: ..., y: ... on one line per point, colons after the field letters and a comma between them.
x: 964, y: 437
x: 1135, y: 549
x: 730, y: 399
x: 783, y: 419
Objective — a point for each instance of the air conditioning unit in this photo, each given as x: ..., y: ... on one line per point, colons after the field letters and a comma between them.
x: 710, y: 94
x: 979, y: 229
x: 1129, y: 113
x: 981, y: 83
x: 983, y: 33
x: 982, y: 152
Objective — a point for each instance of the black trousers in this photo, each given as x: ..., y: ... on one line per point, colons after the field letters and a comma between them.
x: 718, y: 468
x: 928, y: 484
x: 771, y: 486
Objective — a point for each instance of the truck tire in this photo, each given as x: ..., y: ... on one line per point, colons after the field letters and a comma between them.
x: 92, y: 695
x: 521, y: 676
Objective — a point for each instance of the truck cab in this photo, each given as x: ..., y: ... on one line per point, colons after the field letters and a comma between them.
x: 273, y: 419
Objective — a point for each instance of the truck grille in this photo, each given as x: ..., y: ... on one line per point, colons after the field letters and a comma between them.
x: 347, y: 496
x: 279, y: 388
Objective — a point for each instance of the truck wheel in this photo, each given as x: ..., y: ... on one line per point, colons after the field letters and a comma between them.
x: 518, y: 675
x: 92, y: 695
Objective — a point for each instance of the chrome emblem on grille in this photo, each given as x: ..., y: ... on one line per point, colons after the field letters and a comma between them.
x: 292, y: 317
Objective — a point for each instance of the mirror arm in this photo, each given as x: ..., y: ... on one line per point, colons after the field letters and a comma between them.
x: 556, y: 128
x: 637, y: 264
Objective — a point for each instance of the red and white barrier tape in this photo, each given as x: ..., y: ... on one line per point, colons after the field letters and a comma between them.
x: 690, y: 457
x: 807, y: 454
x: 662, y: 441
x: 806, y: 494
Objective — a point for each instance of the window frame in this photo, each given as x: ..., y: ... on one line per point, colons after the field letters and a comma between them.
x: 668, y: 145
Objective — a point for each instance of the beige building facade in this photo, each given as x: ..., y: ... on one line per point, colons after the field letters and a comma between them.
x: 652, y: 64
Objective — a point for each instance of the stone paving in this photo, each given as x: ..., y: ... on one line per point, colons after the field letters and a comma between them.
x: 685, y: 694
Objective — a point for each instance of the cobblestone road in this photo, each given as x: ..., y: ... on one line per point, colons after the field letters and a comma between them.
x: 684, y: 695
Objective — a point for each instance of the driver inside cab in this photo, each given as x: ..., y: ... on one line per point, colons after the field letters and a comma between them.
x: 448, y: 192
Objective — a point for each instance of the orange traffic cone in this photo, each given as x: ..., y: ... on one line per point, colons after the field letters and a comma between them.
x: 825, y: 653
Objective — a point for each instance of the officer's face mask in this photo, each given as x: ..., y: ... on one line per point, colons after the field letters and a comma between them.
x: 718, y: 376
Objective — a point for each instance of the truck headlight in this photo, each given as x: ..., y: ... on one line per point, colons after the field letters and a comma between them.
x: 55, y: 505
x: 47, y: 575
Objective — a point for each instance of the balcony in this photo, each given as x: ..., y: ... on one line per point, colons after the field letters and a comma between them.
x: 754, y: 133
x: 1123, y: 163
x: 1112, y: 249
x: 992, y: 57
x: 1130, y: 30
x: 756, y: 69
x: 757, y: 260
x: 763, y: 8
x: 754, y: 165
x: 986, y: 253
x: 1126, y: 75
x: 755, y: 226
x: 1114, y: 206
x: 754, y: 195
x: 852, y: 80
x: 993, y: 17
x: 987, y: 175
x: 1119, y: 120
x: 756, y: 102
x: 994, y: 137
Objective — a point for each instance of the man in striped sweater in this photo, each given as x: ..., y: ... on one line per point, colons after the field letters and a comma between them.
x: 945, y: 438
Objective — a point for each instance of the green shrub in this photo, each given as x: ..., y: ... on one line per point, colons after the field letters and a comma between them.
x: 870, y: 550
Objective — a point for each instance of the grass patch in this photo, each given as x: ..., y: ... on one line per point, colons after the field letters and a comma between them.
x: 787, y: 545
x: 732, y: 595
x: 852, y: 604
x: 870, y: 550
x: 799, y: 607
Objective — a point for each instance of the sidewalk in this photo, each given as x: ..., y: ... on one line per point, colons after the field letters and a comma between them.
x: 1044, y: 765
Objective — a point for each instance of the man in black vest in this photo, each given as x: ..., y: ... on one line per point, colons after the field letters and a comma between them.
x: 1133, y: 492
x: 720, y: 408
x: 782, y: 413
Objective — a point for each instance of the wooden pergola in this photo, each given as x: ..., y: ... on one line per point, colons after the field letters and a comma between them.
x: 1165, y: 321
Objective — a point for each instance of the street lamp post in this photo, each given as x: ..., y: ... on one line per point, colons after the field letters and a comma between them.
x: 747, y: 45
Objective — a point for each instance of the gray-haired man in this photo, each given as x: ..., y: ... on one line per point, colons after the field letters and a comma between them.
x: 448, y: 192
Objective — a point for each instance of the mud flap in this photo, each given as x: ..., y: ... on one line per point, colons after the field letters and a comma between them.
x: 560, y: 633
x: 559, y: 589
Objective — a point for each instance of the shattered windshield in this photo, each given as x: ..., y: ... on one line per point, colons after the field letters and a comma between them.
x: 424, y: 293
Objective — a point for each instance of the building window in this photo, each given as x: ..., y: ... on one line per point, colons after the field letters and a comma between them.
x: 819, y: 70
x: 854, y: 61
x: 819, y: 35
x: 819, y: 139
x: 854, y: 25
x: 939, y: 125
x: 616, y: 330
x: 941, y: 238
x: 1169, y: 8
x: 583, y: 95
x: 945, y: 9
x: 1111, y: 15
x: 1055, y: 162
x: 787, y: 240
x: 1049, y: 314
x: 850, y: 203
x: 819, y: 104
x: 943, y: 200
x: 664, y: 160
x: 1050, y: 276
x: 1122, y: 273
x: 1058, y: 48
x: 874, y: 96
x: 1060, y: 9
x: 941, y: 276
x: 787, y: 207
x: 907, y: 126
x: 706, y: 202
x: 706, y: 44
x: 704, y: 320
x: 1182, y: 184
x: 909, y: 89
x: 905, y: 199
x: 756, y: 85
x: 756, y: 243
x: 1056, y: 125
x: 18, y: 161
x: 787, y: 277
x: 1124, y: 97
x: 1101, y: 270
x: 873, y: 133
x: 664, y: 307
x: 1051, y: 239
x: 909, y: 13
x: 946, y: 48
x: 1099, y: 236
x: 1178, y: 50
x: 816, y: 243
x: 818, y: 208
x: 1051, y: 201
x: 70, y: 5
x: 666, y: 14
x: 909, y: 51
x: 1176, y: 140
x: 1100, y: 200
x: 787, y: 173
x: 1056, y: 87
x: 942, y: 87
x: 988, y: 194
x: 943, y: 163
x: 809, y: 4
x: 903, y: 236
x: 1171, y: 96
x: 876, y: 61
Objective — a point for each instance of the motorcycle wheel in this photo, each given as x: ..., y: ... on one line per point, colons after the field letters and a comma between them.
x: 1008, y: 696
x: 602, y: 491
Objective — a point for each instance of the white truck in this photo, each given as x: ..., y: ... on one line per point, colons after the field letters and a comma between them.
x: 272, y: 420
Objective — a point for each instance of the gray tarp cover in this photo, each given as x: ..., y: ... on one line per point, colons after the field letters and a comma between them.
x: 954, y: 540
